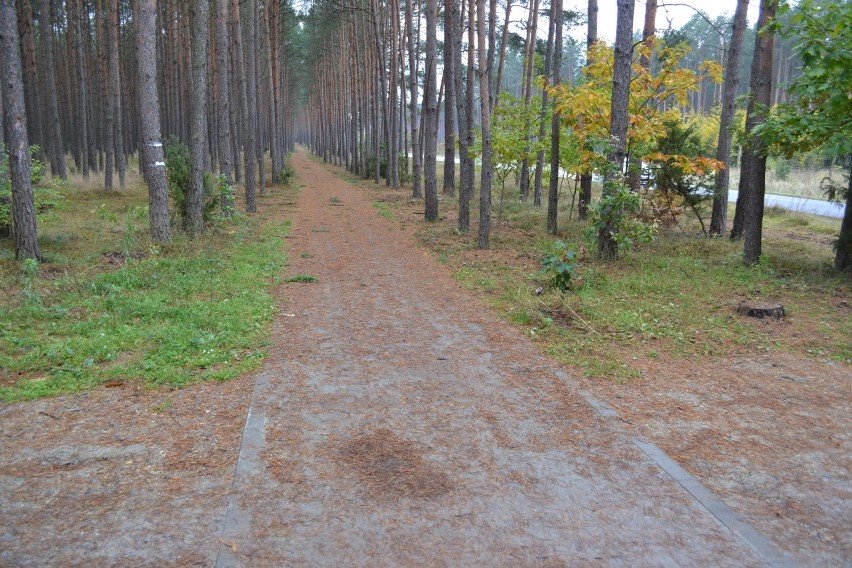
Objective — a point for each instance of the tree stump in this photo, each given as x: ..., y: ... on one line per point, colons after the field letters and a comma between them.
x: 760, y: 310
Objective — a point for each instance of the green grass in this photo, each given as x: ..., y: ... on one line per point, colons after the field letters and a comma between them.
x: 178, y: 314
x: 383, y: 209
x: 676, y: 296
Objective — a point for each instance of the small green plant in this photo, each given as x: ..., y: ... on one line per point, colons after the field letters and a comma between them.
x: 302, y: 278
x: 617, y: 211
x: 782, y: 168
x: 334, y: 201
x: 29, y: 292
x: 163, y: 406
x: 560, y: 265
x: 286, y: 175
x: 306, y: 255
x: 384, y: 210
x: 226, y: 197
x: 178, y: 169
x: 46, y: 197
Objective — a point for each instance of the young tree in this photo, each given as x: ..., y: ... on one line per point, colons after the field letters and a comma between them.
x: 719, y: 216
x: 820, y: 116
x: 14, y: 115
x: 149, y: 108
x: 748, y: 218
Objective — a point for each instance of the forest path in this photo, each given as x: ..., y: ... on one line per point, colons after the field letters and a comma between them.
x: 398, y: 422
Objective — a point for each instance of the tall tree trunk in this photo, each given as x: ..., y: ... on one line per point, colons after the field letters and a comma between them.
x: 485, y: 115
x: 464, y: 111
x: 149, y: 108
x: 545, y: 107
x: 586, y: 177
x: 555, y: 130
x: 748, y: 219
x: 249, y: 97
x: 498, y: 84
x: 528, y: 81
x: 32, y: 92
x: 634, y: 162
x: 54, y: 132
x: 450, y: 98
x: 109, y: 97
x: 719, y: 216
x: 194, y: 222
x: 15, y: 117
x: 82, y: 87
x: 223, y: 105
x: 430, y: 113
x: 607, y: 245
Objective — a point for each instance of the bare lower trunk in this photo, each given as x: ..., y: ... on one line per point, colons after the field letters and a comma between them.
x: 54, y: 132
x: 553, y: 190
x: 23, y: 206
x: 719, y: 216
x: 485, y: 115
x: 430, y: 113
x: 607, y: 245
x: 149, y: 108
x: 194, y: 222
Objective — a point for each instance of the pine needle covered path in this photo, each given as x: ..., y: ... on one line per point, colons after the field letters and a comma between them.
x: 398, y: 422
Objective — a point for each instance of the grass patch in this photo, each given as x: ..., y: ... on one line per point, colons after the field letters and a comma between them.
x: 302, y: 278
x: 676, y: 296
x: 162, y: 315
x: 383, y: 209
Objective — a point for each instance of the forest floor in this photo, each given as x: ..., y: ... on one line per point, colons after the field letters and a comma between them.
x: 398, y: 420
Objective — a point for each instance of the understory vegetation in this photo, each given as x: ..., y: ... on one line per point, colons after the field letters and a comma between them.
x: 675, y: 297
x: 109, y: 306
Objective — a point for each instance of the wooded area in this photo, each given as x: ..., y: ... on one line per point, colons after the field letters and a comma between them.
x: 91, y: 86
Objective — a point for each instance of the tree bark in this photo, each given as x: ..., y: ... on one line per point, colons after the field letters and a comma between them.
x: 485, y: 116
x: 430, y: 113
x: 149, y: 108
x: 553, y: 190
x: 843, y: 255
x: 502, y: 63
x: 248, y: 87
x: 199, y: 14
x: 54, y: 132
x: 545, y: 107
x: 719, y: 216
x: 464, y: 111
x: 586, y: 178
x: 82, y: 87
x: 450, y: 98
x: 607, y: 245
x: 748, y: 218
x: 223, y: 102
x: 15, y: 117
x: 528, y: 81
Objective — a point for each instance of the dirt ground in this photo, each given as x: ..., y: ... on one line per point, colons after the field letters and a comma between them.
x: 399, y: 422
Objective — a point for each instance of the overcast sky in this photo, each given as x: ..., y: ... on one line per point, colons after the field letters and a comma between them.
x: 677, y: 11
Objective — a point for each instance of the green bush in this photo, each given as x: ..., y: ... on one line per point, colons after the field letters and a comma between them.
x: 178, y: 172
x: 560, y: 265
x: 46, y: 197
